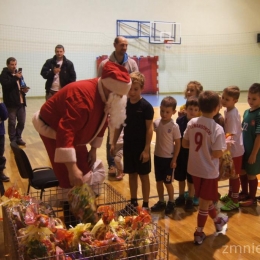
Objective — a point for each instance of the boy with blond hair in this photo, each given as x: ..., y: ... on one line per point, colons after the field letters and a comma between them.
x: 206, y: 142
x: 232, y: 127
x: 167, y: 147
x: 251, y: 140
x: 138, y: 131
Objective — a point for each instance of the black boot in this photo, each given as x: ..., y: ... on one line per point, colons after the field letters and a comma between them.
x: 3, y: 177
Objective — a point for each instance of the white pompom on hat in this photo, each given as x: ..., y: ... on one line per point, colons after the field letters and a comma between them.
x: 116, y: 78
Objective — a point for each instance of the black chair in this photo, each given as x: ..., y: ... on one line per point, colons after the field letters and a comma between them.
x: 39, y: 178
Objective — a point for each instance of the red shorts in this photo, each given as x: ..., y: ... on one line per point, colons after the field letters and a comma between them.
x: 238, y: 164
x: 206, y: 189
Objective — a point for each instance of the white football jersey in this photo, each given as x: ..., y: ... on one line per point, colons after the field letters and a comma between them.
x: 204, y: 136
x: 233, y: 126
x: 165, y: 136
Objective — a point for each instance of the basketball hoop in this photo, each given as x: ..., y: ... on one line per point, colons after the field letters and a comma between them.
x: 168, y: 43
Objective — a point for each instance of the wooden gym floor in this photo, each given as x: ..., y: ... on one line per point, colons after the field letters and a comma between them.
x: 242, y: 240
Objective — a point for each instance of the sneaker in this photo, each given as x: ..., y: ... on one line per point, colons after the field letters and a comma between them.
x: 120, y: 176
x: 147, y: 209
x: 20, y: 142
x: 128, y: 210
x: 225, y: 198
x: 195, y: 201
x: 159, y: 206
x: 247, y: 203
x: 180, y: 201
x: 230, y: 205
x: 169, y: 208
x: 189, y: 204
x: 3, y: 177
x: 199, y: 237
x: 223, y: 221
x: 243, y: 196
x: 112, y: 171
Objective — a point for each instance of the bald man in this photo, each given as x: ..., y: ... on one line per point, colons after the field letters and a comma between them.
x: 118, y: 56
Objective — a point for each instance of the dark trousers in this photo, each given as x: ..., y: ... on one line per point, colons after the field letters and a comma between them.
x: 50, y: 94
x: 15, y: 130
x: 2, y: 150
x: 110, y: 159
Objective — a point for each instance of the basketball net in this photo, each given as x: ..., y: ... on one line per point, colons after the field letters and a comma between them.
x: 168, y: 43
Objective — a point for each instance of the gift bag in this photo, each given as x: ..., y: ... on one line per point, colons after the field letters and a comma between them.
x: 226, y: 165
x: 82, y: 203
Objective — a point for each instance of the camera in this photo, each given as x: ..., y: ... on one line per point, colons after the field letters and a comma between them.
x: 57, y: 65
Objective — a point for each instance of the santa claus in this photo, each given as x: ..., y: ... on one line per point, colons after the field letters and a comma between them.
x: 76, y: 116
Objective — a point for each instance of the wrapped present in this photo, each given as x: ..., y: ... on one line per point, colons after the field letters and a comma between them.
x: 226, y: 165
x: 82, y: 203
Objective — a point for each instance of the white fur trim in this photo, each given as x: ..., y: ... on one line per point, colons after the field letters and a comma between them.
x: 96, y: 143
x: 63, y: 155
x: 42, y: 128
x: 116, y: 86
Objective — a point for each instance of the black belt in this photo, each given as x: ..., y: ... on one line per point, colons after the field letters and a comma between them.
x: 42, y: 120
x: 53, y: 92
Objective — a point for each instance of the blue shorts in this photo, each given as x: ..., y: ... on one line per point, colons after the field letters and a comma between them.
x: 162, y: 169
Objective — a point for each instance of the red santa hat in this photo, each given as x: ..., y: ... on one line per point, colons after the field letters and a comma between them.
x: 116, y: 78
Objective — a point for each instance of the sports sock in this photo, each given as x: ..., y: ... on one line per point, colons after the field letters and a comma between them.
x: 252, y: 188
x: 202, y: 218
x: 230, y: 188
x: 199, y: 230
x: 134, y: 202
x: 145, y: 205
x: 235, y: 183
x: 244, y: 183
x: 212, y: 211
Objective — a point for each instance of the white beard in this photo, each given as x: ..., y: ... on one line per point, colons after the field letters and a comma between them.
x: 116, y: 109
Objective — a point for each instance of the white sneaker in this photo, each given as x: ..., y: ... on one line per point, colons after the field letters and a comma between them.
x: 199, y: 237
x: 222, y: 226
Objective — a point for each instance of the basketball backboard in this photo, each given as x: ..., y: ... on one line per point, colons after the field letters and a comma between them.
x: 161, y: 31
x: 157, y: 31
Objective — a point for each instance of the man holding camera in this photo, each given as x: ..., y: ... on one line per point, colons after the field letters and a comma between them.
x: 59, y: 71
x: 14, y: 91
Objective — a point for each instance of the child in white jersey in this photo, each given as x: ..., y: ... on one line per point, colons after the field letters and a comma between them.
x: 206, y: 142
x: 166, y: 151
x: 233, y: 127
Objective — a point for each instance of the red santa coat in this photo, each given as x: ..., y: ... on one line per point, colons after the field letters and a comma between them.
x: 77, y: 115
